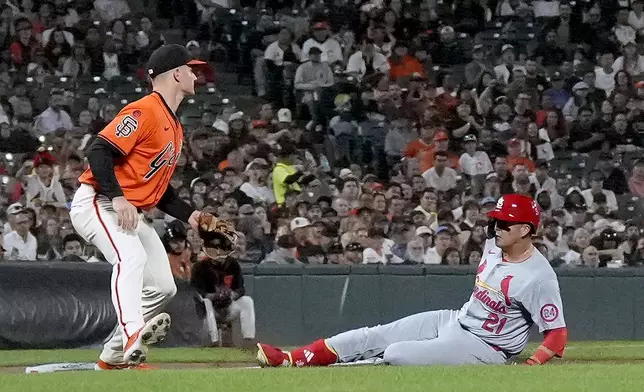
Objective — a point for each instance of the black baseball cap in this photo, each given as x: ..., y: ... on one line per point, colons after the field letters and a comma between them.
x: 169, y: 57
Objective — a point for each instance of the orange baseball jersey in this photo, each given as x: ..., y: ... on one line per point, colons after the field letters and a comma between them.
x: 150, y: 137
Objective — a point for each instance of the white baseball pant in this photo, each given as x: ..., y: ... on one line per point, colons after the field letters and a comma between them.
x: 429, y: 338
x: 241, y: 310
x: 142, y: 282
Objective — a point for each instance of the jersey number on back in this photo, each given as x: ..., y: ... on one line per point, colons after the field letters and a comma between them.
x: 494, y: 324
x: 165, y: 157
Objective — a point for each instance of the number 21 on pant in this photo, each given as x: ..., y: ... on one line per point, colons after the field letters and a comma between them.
x: 494, y: 323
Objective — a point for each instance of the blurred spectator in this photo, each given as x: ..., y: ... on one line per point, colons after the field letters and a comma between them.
x: 474, y: 162
x: 25, y: 44
x: 329, y: 49
x: 43, y: 186
x: 448, y: 50
x: 379, y: 249
x: 402, y: 65
x: 442, y: 241
x: 147, y: 39
x: 286, y: 174
x: 205, y: 73
x: 596, y: 180
x: 111, y: 63
x: 73, y: 248
x: 55, y: 117
x: 367, y: 61
x: 451, y: 257
x: 280, y: 59
x: 175, y: 241
x: 109, y: 10
x: 18, y: 242
x: 284, y: 253
x: 590, y: 258
x: 311, y: 77
x: 440, y: 177
x: 255, y: 187
x: 636, y: 181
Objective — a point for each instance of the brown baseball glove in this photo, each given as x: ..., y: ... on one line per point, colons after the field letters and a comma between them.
x: 219, y: 236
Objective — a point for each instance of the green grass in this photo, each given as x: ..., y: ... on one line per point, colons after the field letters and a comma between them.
x: 588, y: 366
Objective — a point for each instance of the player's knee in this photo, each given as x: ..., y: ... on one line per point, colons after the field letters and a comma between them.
x: 135, y: 258
x: 246, y: 302
x: 394, y: 355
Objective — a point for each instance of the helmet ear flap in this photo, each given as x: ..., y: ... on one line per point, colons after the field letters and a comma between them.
x: 533, y: 229
x: 491, y: 229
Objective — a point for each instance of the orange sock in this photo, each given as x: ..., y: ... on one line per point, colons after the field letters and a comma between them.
x: 314, y: 354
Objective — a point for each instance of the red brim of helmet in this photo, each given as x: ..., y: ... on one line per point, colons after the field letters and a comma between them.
x: 498, y: 215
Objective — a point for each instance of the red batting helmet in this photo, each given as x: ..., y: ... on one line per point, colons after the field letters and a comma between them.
x: 517, y: 208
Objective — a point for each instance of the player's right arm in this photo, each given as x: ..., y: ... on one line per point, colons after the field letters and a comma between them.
x: 115, y: 142
x: 545, y: 308
x: 101, y: 156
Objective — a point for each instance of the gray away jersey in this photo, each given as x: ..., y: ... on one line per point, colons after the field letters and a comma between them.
x: 509, y: 297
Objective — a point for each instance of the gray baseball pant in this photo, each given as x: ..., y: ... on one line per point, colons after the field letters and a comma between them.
x: 429, y: 338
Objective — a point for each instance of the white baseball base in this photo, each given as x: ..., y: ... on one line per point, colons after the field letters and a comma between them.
x: 61, y: 367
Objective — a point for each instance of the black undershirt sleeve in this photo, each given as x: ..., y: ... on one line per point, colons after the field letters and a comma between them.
x: 172, y: 205
x: 101, y: 155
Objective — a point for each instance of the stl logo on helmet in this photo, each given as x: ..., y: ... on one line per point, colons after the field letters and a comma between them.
x: 535, y: 208
x: 499, y: 204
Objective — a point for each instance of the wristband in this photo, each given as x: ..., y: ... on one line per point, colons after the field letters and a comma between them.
x: 530, y: 362
x: 540, y: 357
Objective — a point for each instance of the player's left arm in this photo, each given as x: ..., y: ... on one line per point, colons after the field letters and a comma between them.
x: 546, y: 310
x: 171, y: 204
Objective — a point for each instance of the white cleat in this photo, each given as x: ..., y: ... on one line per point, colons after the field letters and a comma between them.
x: 154, y: 331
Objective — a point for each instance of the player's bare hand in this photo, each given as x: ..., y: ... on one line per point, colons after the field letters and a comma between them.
x: 128, y: 216
x: 193, y: 221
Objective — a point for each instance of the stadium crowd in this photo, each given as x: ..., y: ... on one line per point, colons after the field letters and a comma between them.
x: 386, y: 130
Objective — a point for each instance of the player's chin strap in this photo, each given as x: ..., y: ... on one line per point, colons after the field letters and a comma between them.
x: 553, y: 345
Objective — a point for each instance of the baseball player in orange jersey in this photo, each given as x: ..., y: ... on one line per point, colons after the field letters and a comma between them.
x: 130, y: 166
x: 515, y: 288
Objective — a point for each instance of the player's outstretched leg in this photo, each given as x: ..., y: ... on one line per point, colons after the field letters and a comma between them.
x: 453, y: 346
x: 358, y: 344
x: 318, y: 353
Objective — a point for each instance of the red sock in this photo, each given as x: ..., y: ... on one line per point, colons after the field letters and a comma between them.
x: 315, y: 354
